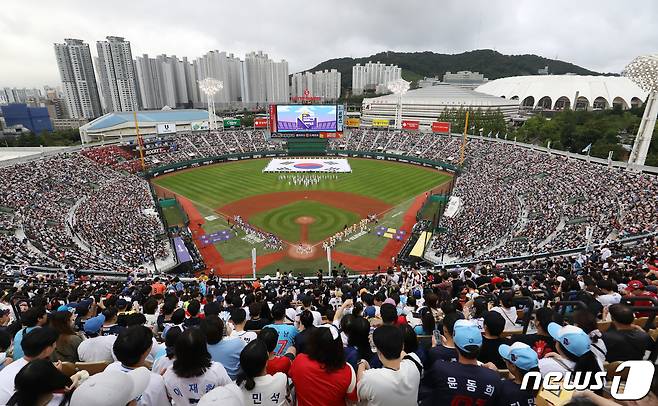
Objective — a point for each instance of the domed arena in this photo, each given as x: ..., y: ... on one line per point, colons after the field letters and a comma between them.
x: 223, y: 209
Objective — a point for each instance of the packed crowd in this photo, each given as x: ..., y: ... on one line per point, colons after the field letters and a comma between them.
x: 110, y: 206
x: 518, y: 201
x: 271, y: 241
x: 404, y: 337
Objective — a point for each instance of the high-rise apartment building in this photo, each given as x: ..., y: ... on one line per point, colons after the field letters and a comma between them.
x: 116, y: 75
x: 265, y: 81
x: 371, y: 75
x: 76, y: 70
x: 324, y: 84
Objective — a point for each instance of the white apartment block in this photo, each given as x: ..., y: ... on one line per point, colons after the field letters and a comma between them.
x: 76, y: 71
x: 373, y: 75
x: 116, y: 75
x: 324, y: 84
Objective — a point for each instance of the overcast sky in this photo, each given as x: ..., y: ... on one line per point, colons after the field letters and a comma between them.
x: 599, y: 35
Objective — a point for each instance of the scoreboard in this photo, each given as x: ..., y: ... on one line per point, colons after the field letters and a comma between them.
x: 306, y: 121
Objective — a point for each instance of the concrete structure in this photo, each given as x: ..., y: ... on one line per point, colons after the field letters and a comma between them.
x: 226, y: 68
x: 426, y: 104
x: 162, y: 81
x: 116, y: 75
x: 324, y: 84
x: 76, y: 70
x: 68, y: 123
x: 643, y: 70
x: 464, y: 78
x: 265, y: 81
x: 427, y: 82
x: 118, y: 125
x: 557, y: 92
x: 34, y: 118
x: 371, y: 75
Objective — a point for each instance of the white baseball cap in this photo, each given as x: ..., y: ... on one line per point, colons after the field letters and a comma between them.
x: 227, y: 395
x: 111, y: 388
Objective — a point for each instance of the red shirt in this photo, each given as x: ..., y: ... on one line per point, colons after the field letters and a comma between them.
x: 158, y: 288
x: 278, y: 364
x: 316, y: 386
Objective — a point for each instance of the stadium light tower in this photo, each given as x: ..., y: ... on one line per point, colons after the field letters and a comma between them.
x: 210, y: 87
x: 643, y: 70
x: 398, y: 87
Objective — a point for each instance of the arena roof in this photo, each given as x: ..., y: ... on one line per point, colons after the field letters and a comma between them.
x: 442, y: 95
x: 531, y: 89
x: 151, y: 116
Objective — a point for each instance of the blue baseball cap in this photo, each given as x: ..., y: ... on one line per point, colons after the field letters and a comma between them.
x: 573, y: 338
x: 93, y: 325
x: 369, y: 311
x: 519, y: 354
x: 466, y: 334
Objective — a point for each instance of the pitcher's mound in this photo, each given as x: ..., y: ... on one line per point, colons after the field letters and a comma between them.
x: 305, y: 220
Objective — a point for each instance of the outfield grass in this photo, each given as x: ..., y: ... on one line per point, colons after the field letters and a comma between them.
x: 281, y: 221
x: 217, y: 185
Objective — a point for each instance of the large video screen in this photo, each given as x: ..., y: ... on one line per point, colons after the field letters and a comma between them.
x: 292, y: 118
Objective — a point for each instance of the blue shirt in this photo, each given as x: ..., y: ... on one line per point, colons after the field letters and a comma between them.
x: 227, y: 352
x: 18, y: 338
x: 287, y: 334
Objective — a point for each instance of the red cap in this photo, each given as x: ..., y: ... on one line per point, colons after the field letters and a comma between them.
x: 496, y: 280
x: 635, y: 284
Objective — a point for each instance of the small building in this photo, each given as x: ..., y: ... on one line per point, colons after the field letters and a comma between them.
x: 35, y: 119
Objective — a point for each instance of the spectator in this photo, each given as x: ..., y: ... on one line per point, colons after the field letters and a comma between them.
x: 223, y: 350
x: 112, y: 388
x: 255, y: 322
x: 507, y: 310
x: 165, y: 359
x: 238, y: 319
x: 519, y: 360
x: 37, y: 344
x: 257, y: 385
x: 396, y: 383
x: 541, y: 341
x: 445, y: 350
x: 193, y: 373
x: 623, y: 340
x: 32, y: 318
x: 462, y: 381
x: 287, y: 332
x: 306, y: 327
x: 322, y: 376
x: 358, y: 342
x: 68, y: 341
x: 275, y: 363
x: 494, y: 325
x: 193, y: 309
x: 36, y: 384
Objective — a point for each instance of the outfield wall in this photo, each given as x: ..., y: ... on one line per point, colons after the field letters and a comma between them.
x: 195, y: 163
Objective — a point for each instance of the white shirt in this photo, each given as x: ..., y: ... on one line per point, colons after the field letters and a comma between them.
x: 187, y: 391
x: 509, y: 315
x: 384, y: 386
x: 97, y: 349
x: 7, y: 376
x: 547, y: 365
x: 155, y: 393
x: 245, y: 336
x: 609, y: 299
x: 270, y: 390
x: 161, y: 364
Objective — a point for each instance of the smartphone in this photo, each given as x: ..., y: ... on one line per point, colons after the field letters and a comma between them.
x: 437, y: 336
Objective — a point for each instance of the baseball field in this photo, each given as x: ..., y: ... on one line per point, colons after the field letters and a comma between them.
x: 300, y: 213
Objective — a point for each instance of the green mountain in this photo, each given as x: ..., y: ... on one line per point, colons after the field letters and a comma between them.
x: 416, y: 65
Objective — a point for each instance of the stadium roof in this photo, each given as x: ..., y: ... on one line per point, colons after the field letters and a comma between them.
x: 612, y: 89
x: 442, y: 95
x: 149, y: 116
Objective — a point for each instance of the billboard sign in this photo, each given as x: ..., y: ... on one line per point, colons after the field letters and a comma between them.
x: 166, y: 128
x: 260, y: 122
x: 410, y: 124
x: 340, y: 118
x: 380, y: 122
x: 441, y: 127
x: 353, y: 122
x: 231, y: 122
x: 292, y: 118
x: 200, y: 126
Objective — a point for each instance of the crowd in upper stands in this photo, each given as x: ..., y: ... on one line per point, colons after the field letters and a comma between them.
x: 517, y: 201
x: 403, y: 337
x: 87, y: 211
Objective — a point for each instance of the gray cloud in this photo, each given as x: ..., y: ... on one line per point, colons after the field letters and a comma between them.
x: 602, y: 36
